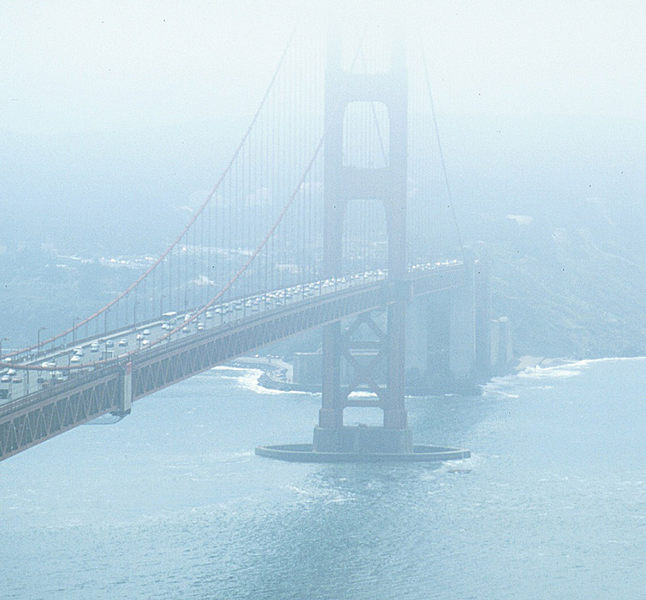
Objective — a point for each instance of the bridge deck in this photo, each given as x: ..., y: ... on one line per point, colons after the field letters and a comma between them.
x: 112, y: 386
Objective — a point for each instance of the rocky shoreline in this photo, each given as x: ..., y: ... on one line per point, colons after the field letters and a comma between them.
x: 277, y: 375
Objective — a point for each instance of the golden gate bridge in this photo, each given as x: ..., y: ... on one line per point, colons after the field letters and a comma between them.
x: 324, y: 216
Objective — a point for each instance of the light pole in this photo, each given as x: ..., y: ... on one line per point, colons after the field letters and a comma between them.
x: 38, y: 346
x: 2, y: 340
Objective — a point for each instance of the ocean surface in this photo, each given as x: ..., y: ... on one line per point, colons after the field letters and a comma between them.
x: 172, y: 503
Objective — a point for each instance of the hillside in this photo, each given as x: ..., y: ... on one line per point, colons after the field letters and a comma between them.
x: 573, y: 291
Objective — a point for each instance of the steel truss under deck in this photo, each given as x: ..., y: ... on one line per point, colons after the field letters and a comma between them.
x: 40, y: 416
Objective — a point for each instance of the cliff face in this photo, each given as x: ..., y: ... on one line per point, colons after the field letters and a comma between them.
x: 576, y: 289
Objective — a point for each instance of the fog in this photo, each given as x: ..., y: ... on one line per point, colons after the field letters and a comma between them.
x: 116, y: 108
x: 117, y: 119
x: 85, y: 67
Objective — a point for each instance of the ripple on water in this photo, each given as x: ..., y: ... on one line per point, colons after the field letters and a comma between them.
x: 173, y: 504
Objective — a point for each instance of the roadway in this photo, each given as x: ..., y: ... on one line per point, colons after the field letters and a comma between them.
x: 58, y: 390
x: 50, y: 368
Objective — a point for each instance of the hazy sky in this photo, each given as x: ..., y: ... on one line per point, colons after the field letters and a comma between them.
x: 83, y: 66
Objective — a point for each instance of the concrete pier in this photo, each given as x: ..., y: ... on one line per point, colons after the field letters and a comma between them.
x: 306, y: 453
x: 361, y: 439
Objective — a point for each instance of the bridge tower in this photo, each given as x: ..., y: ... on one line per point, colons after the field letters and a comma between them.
x: 387, y: 185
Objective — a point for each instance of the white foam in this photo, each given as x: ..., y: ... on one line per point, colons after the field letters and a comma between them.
x: 570, y: 368
x: 590, y: 361
x: 247, y: 378
x: 498, y: 386
x: 464, y: 465
x: 232, y: 457
x: 559, y: 371
x: 320, y: 494
x: 362, y: 394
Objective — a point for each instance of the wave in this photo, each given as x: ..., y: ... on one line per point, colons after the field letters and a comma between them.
x: 608, y: 359
x: 559, y: 371
x: 248, y: 379
x: 316, y: 494
x: 232, y: 457
x: 506, y: 386
x: 362, y: 394
x: 559, y: 368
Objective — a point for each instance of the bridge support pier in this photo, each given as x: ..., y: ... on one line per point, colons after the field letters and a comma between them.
x: 331, y: 435
x: 449, y: 335
x: 363, y: 439
x: 125, y: 404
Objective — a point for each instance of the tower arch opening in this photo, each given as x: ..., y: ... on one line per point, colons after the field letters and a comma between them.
x: 366, y: 135
x: 372, y: 416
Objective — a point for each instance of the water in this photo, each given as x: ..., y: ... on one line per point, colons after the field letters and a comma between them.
x: 172, y: 503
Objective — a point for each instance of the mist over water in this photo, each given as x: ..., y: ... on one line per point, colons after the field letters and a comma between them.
x: 172, y: 503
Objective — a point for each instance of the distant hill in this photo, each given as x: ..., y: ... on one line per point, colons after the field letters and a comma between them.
x: 571, y: 291
x: 559, y: 203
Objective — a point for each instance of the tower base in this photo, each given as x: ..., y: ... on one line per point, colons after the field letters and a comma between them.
x: 361, y: 444
x: 361, y: 439
x: 306, y: 453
